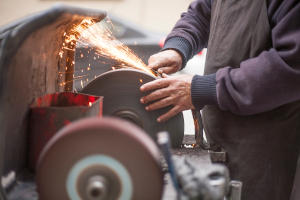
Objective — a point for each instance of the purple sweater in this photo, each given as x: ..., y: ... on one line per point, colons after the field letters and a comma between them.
x: 261, y: 83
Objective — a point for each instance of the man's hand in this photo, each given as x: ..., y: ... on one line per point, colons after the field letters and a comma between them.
x: 175, y: 91
x: 168, y: 61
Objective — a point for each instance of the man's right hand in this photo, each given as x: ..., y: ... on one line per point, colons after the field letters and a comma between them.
x: 168, y: 61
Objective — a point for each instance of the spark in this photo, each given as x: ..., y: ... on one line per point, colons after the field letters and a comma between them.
x: 61, y: 53
x: 106, y: 45
x: 70, y: 49
x: 99, y: 36
x: 80, y: 77
x: 141, y: 80
x: 64, y: 72
x: 90, y: 104
x: 64, y: 83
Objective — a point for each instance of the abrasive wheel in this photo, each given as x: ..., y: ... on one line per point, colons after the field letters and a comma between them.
x: 100, y: 159
x: 120, y: 89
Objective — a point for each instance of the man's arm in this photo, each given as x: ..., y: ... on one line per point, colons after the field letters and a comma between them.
x: 269, y: 80
x: 190, y: 33
x: 187, y: 38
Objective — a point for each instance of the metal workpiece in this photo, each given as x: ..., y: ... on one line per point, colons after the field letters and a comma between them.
x: 30, y: 67
x: 100, y: 158
x: 51, y: 112
x: 121, y: 91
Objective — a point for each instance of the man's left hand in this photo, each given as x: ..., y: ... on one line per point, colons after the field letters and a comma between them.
x: 174, y: 91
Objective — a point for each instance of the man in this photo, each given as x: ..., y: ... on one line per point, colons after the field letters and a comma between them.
x: 250, y: 90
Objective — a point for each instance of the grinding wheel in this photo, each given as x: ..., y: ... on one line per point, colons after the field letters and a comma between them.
x: 120, y: 89
x: 100, y: 159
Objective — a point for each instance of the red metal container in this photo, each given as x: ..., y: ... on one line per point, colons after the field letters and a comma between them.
x: 51, y: 112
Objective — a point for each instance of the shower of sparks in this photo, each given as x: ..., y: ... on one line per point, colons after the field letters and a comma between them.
x: 99, y: 36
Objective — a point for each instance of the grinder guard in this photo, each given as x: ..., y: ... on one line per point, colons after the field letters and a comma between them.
x: 29, y: 68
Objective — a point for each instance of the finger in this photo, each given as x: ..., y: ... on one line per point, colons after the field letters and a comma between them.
x: 156, y: 63
x: 171, y: 113
x: 157, y: 94
x: 165, y: 75
x: 156, y: 84
x: 160, y: 104
x: 167, y: 70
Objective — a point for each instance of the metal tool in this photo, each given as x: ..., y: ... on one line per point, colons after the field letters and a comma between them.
x: 157, y: 73
x: 164, y: 144
x: 121, y: 91
x: 96, y: 158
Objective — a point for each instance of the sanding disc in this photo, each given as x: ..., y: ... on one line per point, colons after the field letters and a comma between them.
x: 101, y: 159
x: 121, y: 91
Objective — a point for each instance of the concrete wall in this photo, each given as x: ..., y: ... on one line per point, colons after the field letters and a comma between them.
x: 155, y: 15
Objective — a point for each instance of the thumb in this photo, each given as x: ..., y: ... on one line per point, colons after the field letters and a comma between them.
x: 164, y: 75
x: 167, y: 70
x: 153, y: 65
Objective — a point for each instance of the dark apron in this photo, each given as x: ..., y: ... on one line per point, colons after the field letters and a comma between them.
x: 262, y: 149
x: 296, y: 188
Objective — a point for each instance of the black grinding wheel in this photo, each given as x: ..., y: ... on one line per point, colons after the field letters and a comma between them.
x: 120, y: 89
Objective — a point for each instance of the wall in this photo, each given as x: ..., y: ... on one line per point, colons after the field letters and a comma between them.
x: 155, y: 15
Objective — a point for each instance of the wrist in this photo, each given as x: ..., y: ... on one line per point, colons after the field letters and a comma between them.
x: 203, y: 91
x: 181, y: 46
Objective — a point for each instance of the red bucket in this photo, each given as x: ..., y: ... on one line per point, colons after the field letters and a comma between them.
x: 51, y: 112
